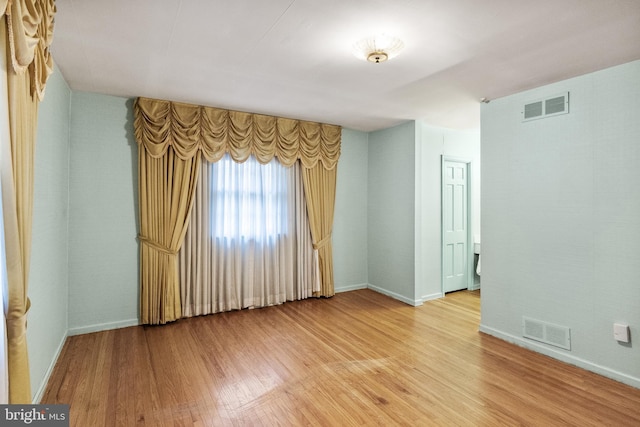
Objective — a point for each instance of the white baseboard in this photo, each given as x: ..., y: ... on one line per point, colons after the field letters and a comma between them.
x: 391, y: 294
x: 351, y: 287
x: 103, y: 327
x: 43, y: 384
x: 430, y: 297
x: 394, y: 295
x: 563, y: 357
x: 76, y: 331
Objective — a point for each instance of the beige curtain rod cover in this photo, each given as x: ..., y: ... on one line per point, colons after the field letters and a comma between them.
x: 191, y: 129
x: 30, y: 28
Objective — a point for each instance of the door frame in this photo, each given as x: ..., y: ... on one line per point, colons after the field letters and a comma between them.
x: 470, y: 275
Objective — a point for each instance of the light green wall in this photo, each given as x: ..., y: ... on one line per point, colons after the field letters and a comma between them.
x: 350, y: 218
x: 48, y: 277
x: 404, y: 234
x: 103, y: 215
x: 560, y: 219
x: 391, y: 211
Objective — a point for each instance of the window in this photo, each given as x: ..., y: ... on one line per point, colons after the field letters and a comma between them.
x: 249, y: 200
x: 248, y: 242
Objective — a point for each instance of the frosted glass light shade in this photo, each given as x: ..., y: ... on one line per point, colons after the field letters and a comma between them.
x: 378, y: 48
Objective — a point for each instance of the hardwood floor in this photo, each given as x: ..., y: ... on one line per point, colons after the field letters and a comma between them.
x: 359, y: 358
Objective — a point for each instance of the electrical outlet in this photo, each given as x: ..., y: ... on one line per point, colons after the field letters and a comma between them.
x: 621, y: 332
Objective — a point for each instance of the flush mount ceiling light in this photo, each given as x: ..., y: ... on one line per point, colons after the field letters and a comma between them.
x: 378, y: 49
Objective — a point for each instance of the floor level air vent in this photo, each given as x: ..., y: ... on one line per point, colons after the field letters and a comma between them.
x: 548, y: 107
x: 559, y: 336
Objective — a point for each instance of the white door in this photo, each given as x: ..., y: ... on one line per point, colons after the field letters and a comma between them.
x: 455, y: 271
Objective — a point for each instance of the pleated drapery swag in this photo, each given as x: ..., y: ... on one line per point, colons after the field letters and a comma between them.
x: 27, y: 33
x: 173, y: 137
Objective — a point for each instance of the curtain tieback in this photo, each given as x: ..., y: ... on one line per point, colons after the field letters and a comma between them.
x: 157, y: 246
x: 17, y: 326
x: 322, y: 243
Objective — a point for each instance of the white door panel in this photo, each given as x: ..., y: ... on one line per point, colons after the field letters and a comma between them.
x: 454, y: 226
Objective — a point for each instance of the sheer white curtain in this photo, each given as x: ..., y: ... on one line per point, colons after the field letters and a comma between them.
x: 248, y: 243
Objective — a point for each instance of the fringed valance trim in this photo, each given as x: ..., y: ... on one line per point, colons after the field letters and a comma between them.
x: 191, y: 129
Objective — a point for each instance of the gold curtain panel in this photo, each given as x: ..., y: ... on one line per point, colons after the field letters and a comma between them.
x: 27, y: 33
x: 191, y: 129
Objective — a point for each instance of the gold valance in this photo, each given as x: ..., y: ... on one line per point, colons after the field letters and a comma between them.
x: 190, y: 129
x: 30, y: 28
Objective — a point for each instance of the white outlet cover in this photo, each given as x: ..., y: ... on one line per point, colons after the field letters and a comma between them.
x: 621, y: 332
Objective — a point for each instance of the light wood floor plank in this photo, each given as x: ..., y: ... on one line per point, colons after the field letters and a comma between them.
x: 359, y: 358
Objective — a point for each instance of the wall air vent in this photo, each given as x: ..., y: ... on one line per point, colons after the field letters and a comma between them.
x: 552, y: 106
x: 533, y: 110
x: 559, y: 336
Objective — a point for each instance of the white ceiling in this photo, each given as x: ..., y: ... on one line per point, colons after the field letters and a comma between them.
x: 293, y: 58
